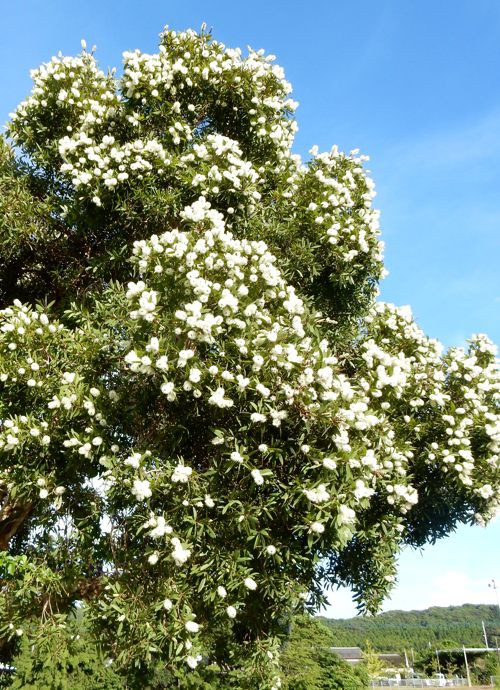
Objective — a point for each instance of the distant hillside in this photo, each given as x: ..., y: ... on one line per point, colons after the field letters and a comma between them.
x: 396, y: 630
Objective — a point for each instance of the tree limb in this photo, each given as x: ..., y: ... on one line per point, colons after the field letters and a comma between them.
x: 12, y: 516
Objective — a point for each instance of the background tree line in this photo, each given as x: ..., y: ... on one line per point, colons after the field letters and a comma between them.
x: 396, y: 630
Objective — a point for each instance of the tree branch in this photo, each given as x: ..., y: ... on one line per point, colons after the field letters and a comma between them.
x: 12, y: 516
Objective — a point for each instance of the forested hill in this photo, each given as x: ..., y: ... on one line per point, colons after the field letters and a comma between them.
x: 440, y: 626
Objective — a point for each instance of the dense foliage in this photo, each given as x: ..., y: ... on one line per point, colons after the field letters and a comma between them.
x: 206, y: 417
x: 69, y: 660
x: 309, y: 664
x: 64, y: 660
x: 397, y: 630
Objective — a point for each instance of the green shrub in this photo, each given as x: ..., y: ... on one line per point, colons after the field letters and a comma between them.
x: 65, y: 660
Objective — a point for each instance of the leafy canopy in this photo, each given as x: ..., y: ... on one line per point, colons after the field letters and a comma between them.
x: 206, y: 416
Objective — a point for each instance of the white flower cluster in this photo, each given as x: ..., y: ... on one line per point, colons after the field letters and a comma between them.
x: 448, y: 401
x: 100, y: 166
x: 69, y: 91
x: 229, y: 285
x: 221, y: 169
x: 210, y: 288
x: 103, y: 141
x: 334, y: 195
x: 236, y: 293
x: 190, y: 63
x: 50, y: 403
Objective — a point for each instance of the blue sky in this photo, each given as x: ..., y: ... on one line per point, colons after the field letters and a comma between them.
x: 414, y: 85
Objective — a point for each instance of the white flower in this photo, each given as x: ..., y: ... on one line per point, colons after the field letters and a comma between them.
x: 43, y: 493
x: 147, y: 302
x: 263, y: 390
x: 153, y: 559
x: 325, y: 377
x: 153, y: 345
x: 258, y: 361
x: 162, y: 364
x: 361, y: 490
x: 346, y: 515
x: 179, y: 554
x: 219, y: 400
x: 184, y: 356
x: 221, y: 591
x: 329, y: 464
x: 12, y: 440
x: 192, y: 661
x: 271, y: 550
x: 317, y: 495
x: 209, y: 501
x: 257, y: 477
x: 168, y: 389
x: 231, y: 612
x: 141, y: 489
x: 278, y: 416
x: 133, y: 460
x: 317, y: 527
x: 181, y: 473
x: 194, y: 375
x: 192, y: 627
x: 167, y: 604
x: 250, y: 583
x: 161, y: 529
x: 85, y: 450
x: 485, y: 491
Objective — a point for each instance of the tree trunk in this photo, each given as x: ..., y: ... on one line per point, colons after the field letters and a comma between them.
x: 12, y: 516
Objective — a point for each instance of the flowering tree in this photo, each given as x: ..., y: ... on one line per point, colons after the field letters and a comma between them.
x: 205, y: 416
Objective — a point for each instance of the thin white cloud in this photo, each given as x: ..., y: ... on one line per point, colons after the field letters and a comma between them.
x: 461, y: 144
x: 451, y: 588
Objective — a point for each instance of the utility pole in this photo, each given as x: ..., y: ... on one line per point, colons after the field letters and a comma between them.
x: 467, y: 668
x: 485, y: 636
x: 439, y: 665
